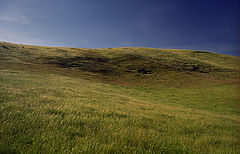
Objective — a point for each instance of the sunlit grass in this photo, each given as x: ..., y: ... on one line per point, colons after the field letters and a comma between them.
x: 46, y: 109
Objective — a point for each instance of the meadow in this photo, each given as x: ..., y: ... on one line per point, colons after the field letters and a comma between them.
x: 117, y: 100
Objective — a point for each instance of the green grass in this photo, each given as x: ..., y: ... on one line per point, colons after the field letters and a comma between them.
x: 103, y: 104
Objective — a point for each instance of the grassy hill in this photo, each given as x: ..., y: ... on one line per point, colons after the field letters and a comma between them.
x: 129, y: 100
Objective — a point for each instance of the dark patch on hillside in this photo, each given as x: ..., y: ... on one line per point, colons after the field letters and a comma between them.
x: 5, y: 47
x: 205, y: 52
x: 97, y: 64
x: 143, y: 71
x: 131, y: 63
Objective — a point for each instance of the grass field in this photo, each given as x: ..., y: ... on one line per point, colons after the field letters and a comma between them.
x: 117, y: 100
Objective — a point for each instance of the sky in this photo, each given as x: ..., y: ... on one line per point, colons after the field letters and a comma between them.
x: 209, y: 25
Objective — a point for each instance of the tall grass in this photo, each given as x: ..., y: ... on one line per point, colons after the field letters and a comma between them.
x: 118, y: 100
x: 57, y: 114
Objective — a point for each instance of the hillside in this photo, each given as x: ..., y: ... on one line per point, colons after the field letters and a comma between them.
x: 144, y: 66
x: 67, y: 100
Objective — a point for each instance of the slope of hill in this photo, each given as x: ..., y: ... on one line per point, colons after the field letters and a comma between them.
x: 67, y: 100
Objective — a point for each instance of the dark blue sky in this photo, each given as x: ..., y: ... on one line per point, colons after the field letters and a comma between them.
x: 210, y: 25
